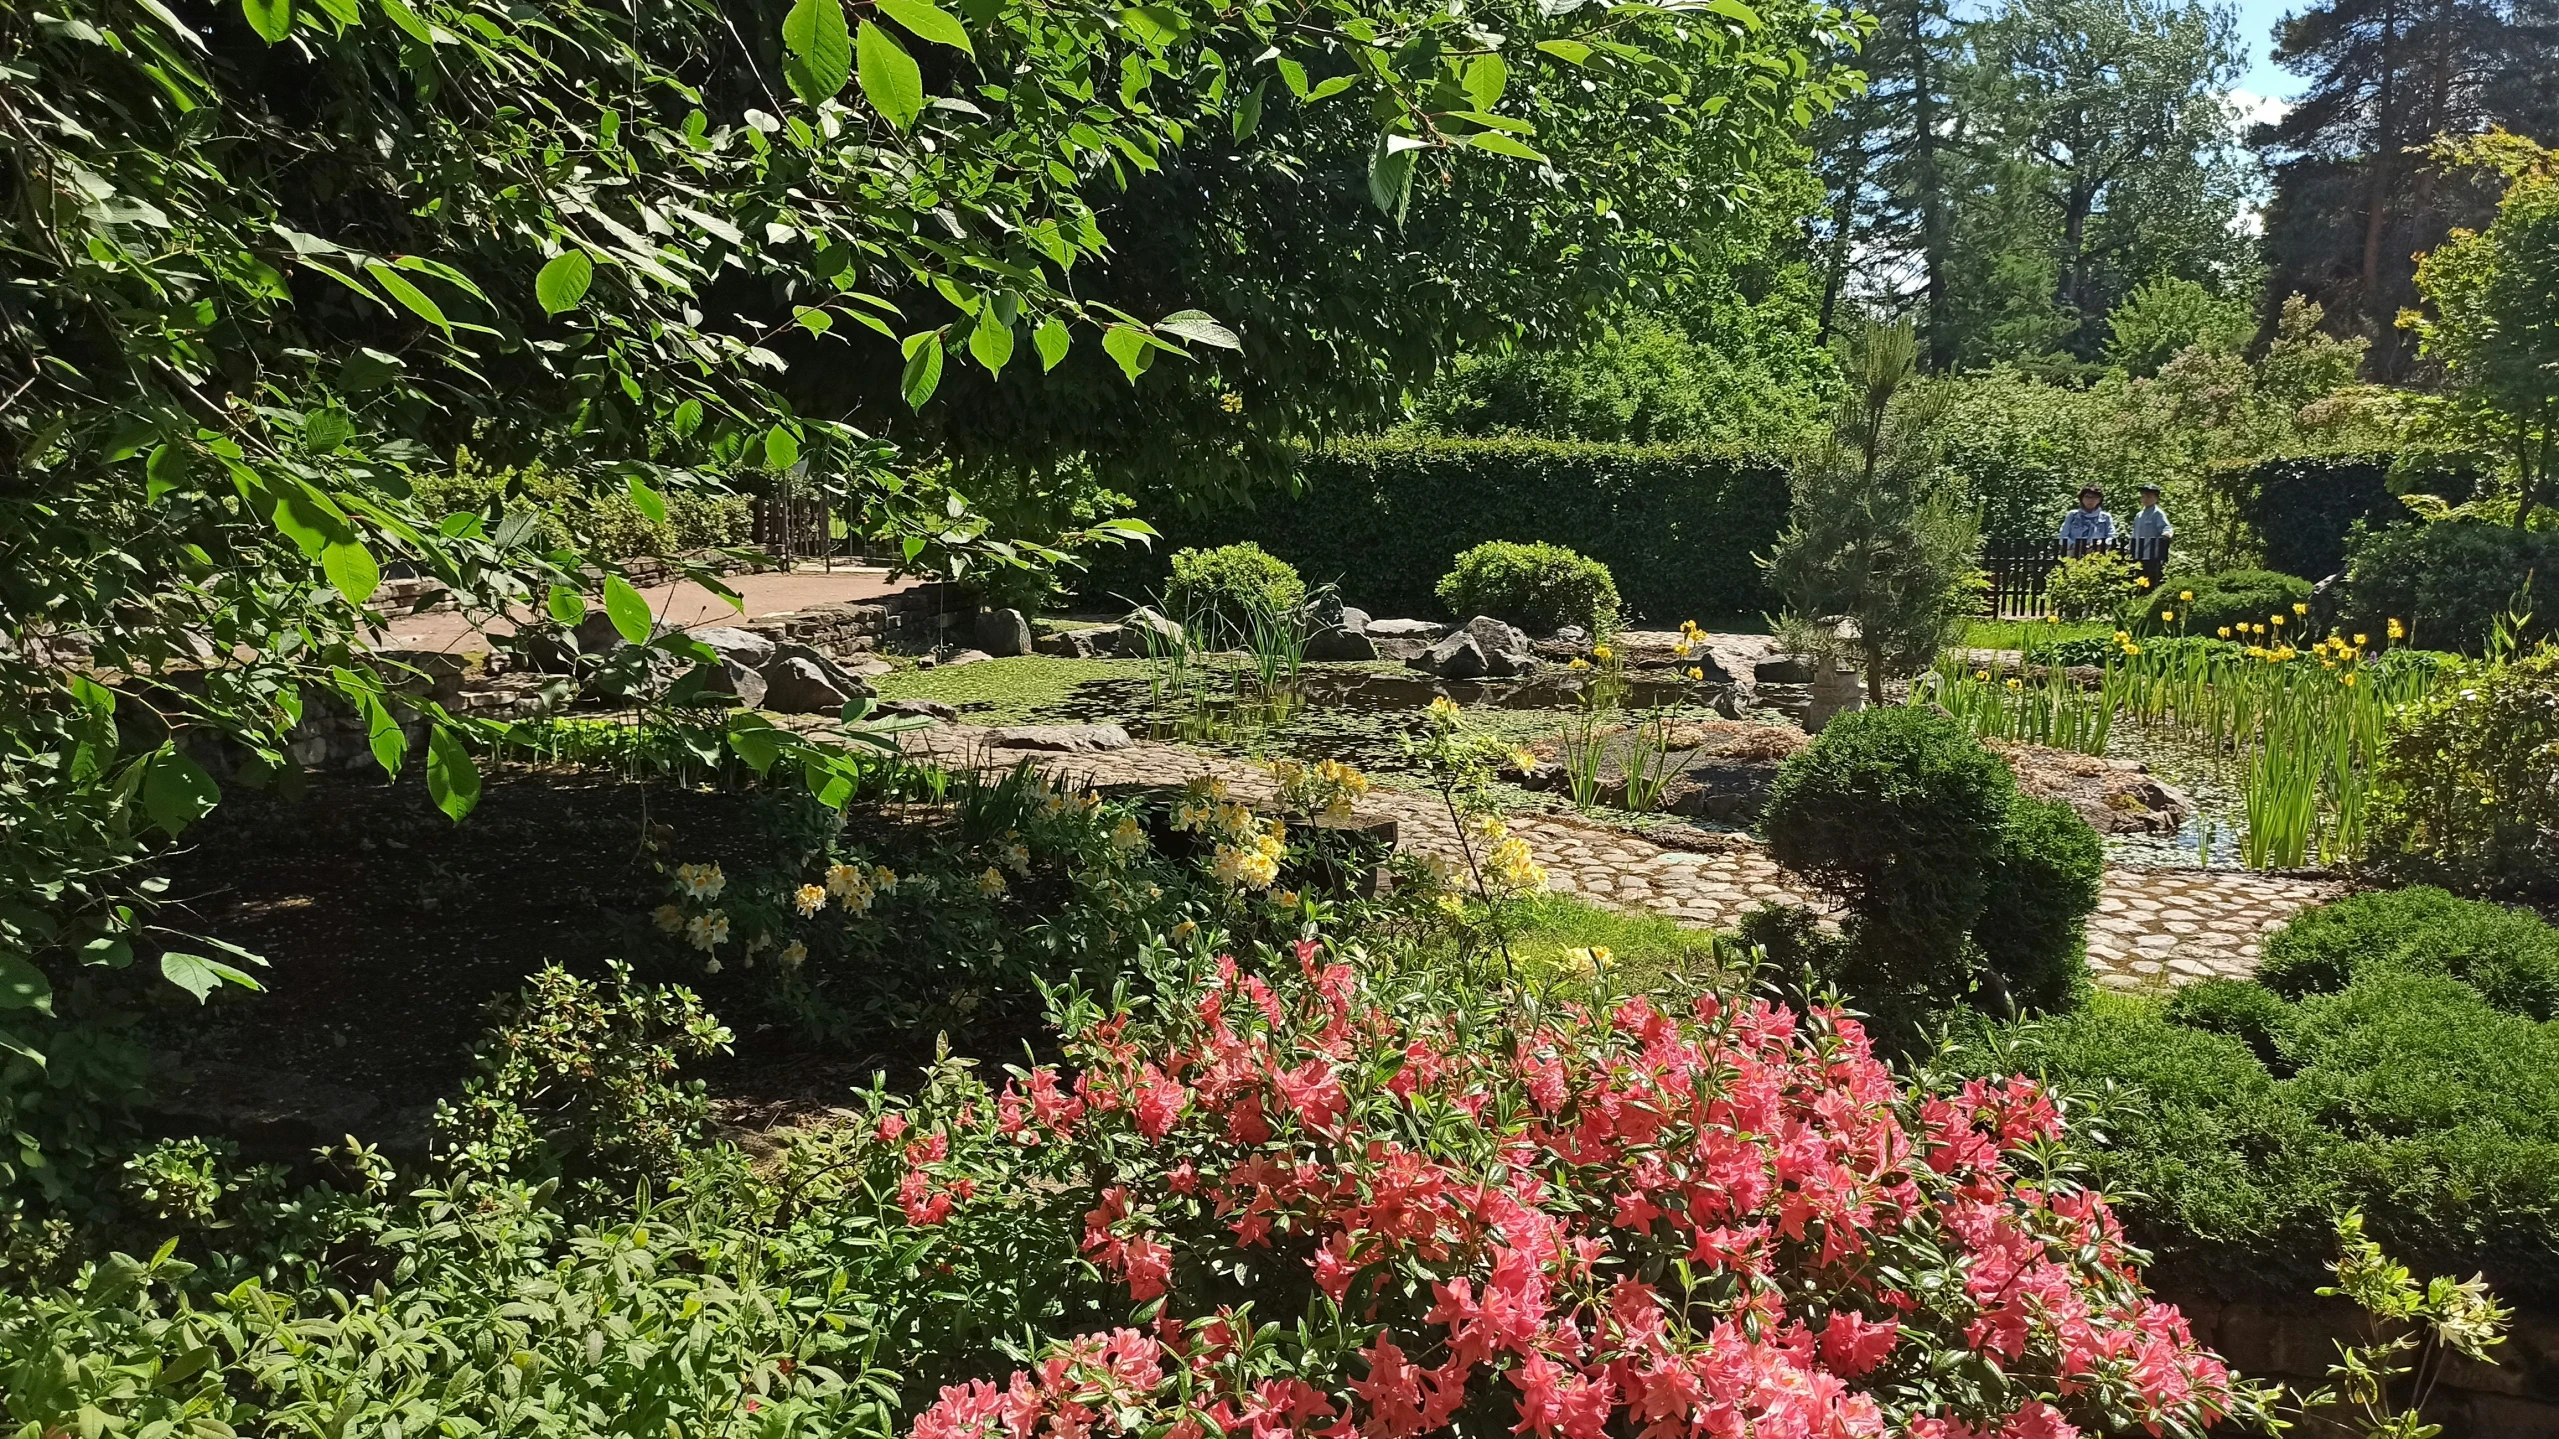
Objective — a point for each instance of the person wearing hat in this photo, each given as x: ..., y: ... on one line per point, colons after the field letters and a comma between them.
x: 2150, y: 532
x: 2088, y: 527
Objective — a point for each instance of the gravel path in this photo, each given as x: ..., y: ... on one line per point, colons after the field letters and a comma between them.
x: 2152, y: 928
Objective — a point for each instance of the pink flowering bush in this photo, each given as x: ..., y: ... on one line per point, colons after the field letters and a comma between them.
x: 1356, y: 1202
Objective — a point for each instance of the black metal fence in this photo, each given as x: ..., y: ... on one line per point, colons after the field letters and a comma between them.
x: 2018, y: 572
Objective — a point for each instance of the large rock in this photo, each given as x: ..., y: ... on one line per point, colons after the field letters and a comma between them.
x: 1402, y: 639
x: 799, y: 680
x: 1783, y: 670
x: 742, y: 657
x: 1003, y: 632
x: 1505, y: 650
x: 1091, y: 644
x: 929, y: 709
x: 1344, y: 637
x: 1063, y: 738
x: 1456, y: 658
x: 1147, y: 632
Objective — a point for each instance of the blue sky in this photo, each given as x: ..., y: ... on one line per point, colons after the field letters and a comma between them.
x: 2256, y: 25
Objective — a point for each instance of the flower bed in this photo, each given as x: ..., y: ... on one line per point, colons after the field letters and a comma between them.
x: 1376, y: 1204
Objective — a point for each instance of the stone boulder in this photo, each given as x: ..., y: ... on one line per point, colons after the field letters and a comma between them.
x: 740, y: 670
x: 1090, y: 644
x: 1458, y: 657
x: 1060, y: 738
x: 1146, y: 632
x: 1344, y: 637
x: 1402, y: 639
x: 1505, y: 649
x: 929, y: 709
x: 799, y: 680
x: 1003, y: 632
x: 1783, y: 670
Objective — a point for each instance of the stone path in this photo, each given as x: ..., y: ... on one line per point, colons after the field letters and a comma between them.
x: 2152, y: 927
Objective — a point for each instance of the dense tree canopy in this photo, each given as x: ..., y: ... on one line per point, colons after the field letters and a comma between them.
x: 265, y: 263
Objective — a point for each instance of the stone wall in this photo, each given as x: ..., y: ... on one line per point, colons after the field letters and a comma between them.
x: 2516, y: 1398
x: 911, y: 621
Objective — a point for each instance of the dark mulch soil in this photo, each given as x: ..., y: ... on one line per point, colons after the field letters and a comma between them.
x: 387, y: 927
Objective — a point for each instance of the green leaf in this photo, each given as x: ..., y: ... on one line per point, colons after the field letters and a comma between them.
x: 272, y: 19
x: 23, y: 986
x: 351, y: 570
x: 991, y: 343
x: 408, y: 294
x: 1571, y: 52
x: 453, y: 781
x: 756, y: 741
x: 19, y: 1047
x: 1293, y: 75
x: 176, y: 792
x: 928, y: 22
x: 1200, y: 328
x: 829, y: 783
x: 409, y: 21
x: 566, y: 605
x: 686, y: 419
x: 627, y: 609
x: 1501, y: 144
x: 1248, y: 111
x: 647, y: 501
x: 166, y: 471
x: 891, y: 80
x: 1051, y: 340
x: 1485, y: 78
x: 368, y: 369
x: 302, y: 518
x: 382, y: 734
x: 1390, y: 174
x: 563, y: 281
x: 1128, y: 345
x: 923, y: 373
x: 781, y: 448
x: 324, y: 431
x: 817, y: 57
x: 200, y: 976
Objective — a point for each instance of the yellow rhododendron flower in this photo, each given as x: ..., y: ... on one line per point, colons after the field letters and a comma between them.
x: 991, y: 883
x: 701, y: 881
x: 1588, y: 961
x: 1128, y: 836
x: 808, y: 899
x: 794, y: 954
x: 670, y: 917
x: 708, y: 931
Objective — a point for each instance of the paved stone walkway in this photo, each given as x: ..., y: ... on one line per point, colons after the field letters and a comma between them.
x: 2152, y: 928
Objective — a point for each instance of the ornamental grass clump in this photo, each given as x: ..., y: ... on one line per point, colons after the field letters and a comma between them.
x: 1383, y: 1204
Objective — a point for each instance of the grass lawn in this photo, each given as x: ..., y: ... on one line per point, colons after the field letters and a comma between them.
x: 2014, y: 634
x: 1644, y: 949
x: 1010, y: 689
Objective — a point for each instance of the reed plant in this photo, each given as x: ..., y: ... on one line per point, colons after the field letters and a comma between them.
x: 2045, y: 707
x: 1647, y: 762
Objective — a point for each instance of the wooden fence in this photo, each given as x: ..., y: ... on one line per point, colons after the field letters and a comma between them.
x: 2018, y: 572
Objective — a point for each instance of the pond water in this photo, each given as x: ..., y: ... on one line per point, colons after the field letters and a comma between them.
x: 1361, y: 715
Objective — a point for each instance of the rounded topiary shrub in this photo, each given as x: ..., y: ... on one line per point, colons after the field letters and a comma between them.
x: 2033, y: 929
x: 1902, y: 815
x: 2467, y: 791
x: 2243, y: 1009
x: 2209, y: 604
x: 1539, y: 587
x: 1229, y: 584
x: 2509, y: 956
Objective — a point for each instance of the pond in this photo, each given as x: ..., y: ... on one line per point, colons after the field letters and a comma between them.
x: 2220, y: 818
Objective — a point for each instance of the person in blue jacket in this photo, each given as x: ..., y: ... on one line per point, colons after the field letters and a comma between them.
x: 2088, y: 526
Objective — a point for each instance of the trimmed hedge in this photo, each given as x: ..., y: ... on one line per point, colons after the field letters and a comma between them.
x: 2510, y: 956
x: 1385, y: 518
x: 1540, y: 587
x: 2302, y: 507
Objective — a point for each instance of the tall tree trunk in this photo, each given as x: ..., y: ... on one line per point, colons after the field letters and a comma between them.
x: 1935, y: 233
x: 2387, y: 126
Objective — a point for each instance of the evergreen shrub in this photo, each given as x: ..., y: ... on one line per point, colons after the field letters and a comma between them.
x: 2244, y: 1009
x: 2032, y: 933
x: 2304, y: 506
x: 2227, y: 599
x: 1540, y: 587
x: 2511, y: 957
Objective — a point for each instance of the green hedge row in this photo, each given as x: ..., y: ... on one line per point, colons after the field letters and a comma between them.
x: 1386, y: 518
